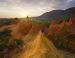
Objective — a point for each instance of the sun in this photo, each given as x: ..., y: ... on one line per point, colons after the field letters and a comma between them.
x: 23, y: 15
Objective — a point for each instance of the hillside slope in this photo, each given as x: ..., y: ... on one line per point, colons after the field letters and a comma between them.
x: 55, y: 14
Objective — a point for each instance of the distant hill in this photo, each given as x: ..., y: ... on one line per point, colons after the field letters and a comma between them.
x: 57, y: 14
x: 8, y: 21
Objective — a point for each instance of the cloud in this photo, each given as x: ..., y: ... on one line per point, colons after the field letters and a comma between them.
x: 40, y: 3
x: 34, y: 7
x: 71, y: 3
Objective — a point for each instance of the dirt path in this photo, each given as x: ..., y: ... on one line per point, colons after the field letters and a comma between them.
x: 39, y: 46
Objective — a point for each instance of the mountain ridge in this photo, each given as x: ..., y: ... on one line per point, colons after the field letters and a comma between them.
x: 57, y: 14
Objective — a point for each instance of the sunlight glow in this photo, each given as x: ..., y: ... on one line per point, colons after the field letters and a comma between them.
x: 23, y: 15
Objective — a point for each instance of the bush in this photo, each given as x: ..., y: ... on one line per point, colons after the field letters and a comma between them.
x: 7, y: 42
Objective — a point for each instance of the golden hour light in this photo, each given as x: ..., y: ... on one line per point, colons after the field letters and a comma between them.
x: 37, y: 28
x: 23, y: 15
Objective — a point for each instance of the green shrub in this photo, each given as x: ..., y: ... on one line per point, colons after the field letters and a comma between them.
x: 7, y: 42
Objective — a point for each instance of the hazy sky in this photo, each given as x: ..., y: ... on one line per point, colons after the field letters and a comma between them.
x: 21, y: 8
